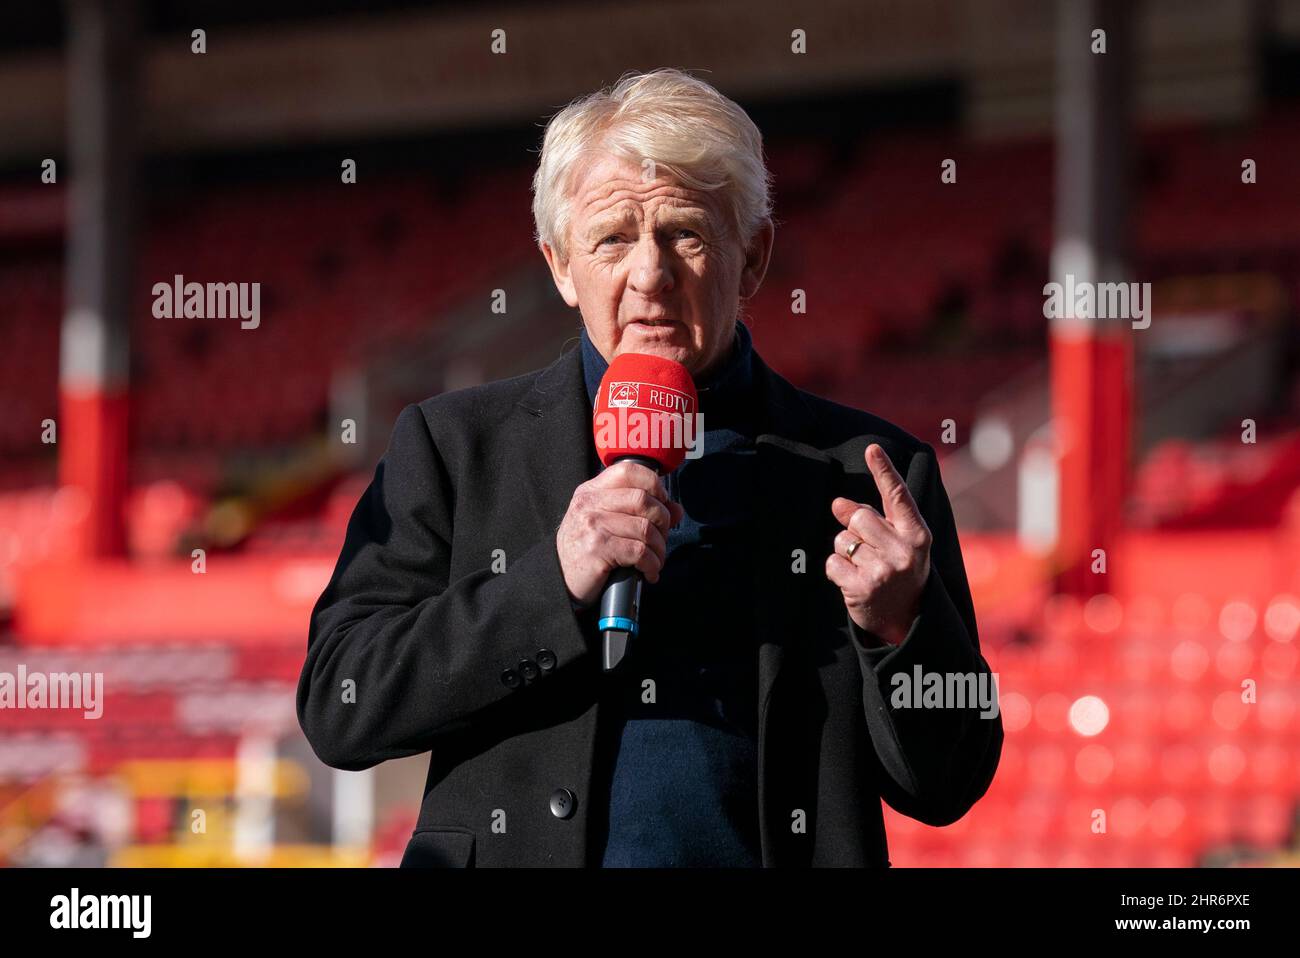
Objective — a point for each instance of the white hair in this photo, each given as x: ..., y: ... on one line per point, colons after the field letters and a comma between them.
x: 682, y: 124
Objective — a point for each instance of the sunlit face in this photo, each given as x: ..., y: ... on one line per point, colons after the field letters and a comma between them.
x: 654, y: 266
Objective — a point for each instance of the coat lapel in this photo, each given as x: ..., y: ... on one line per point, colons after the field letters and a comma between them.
x: 561, y: 454
x: 558, y: 454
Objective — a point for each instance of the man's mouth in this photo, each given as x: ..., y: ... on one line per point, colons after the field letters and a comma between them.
x: 653, y: 322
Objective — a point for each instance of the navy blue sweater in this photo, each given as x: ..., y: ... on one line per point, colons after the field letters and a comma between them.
x: 683, y: 752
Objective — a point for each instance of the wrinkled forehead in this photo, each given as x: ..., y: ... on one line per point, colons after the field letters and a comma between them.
x: 609, y: 185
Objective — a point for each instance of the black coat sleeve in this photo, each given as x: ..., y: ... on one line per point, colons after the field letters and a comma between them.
x: 398, y: 653
x: 934, y: 763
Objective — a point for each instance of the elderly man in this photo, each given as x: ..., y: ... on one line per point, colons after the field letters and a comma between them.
x: 802, y: 575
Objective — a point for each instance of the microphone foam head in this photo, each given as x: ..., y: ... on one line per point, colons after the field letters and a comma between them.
x: 645, y: 407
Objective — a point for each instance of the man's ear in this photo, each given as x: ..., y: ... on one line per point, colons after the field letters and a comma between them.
x: 561, y: 274
x: 757, y: 255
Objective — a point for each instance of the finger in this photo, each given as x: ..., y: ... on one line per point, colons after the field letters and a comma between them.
x: 842, y: 572
x: 634, y: 553
x: 678, y: 511
x: 845, y: 539
x: 633, y: 475
x: 857, y: 581
x: 637, y: 502
x: 637, y: 528
x: 894, y: 495
x: 863, y: 521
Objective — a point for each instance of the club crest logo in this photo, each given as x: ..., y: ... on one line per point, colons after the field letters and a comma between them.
x: 623, y: 395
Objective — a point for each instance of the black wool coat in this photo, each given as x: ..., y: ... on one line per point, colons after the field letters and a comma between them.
x: 418, y: 644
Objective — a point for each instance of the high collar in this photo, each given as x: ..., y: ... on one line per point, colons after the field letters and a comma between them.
x: 725, y: 394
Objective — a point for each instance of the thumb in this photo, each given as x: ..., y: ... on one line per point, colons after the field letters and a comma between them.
x: 843, y: 509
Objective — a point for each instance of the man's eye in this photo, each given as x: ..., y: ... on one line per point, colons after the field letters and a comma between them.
x: 613, y: 236
x: 687, y: 234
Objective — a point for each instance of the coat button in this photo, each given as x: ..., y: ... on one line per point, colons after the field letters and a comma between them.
x: 528, y: 669
x: 563, y: 802
x: 510, y: 678
x: 545, y: 659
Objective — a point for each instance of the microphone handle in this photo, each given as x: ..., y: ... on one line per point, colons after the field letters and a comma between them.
x: 620, y: 608
x: 620, y: 604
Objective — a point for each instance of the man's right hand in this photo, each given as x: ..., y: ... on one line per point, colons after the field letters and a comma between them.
x: 619, y: 518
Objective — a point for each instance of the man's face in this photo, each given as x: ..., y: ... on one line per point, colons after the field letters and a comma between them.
x: 654, y: 266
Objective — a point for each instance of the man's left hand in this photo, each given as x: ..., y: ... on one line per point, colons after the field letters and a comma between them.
x: 883, y: 581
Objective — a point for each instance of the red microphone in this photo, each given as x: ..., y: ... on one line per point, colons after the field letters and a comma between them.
x: 645, y: 411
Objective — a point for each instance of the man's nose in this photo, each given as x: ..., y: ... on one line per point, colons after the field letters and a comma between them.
x: 651, y: 272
